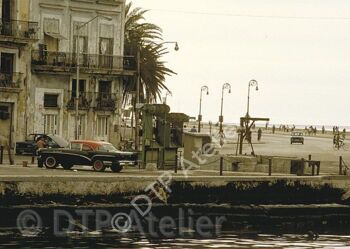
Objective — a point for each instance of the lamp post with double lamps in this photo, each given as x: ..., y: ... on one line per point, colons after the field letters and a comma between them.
x: 221, y: 118
x: 203, y: 88
x: 77, y: 52
x: 251, y: 83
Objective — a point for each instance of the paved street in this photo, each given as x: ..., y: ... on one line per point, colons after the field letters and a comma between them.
x: 320, y: 147
x: 279, y: 145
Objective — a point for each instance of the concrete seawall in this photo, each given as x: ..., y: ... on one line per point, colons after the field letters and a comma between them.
x: 192, y: 189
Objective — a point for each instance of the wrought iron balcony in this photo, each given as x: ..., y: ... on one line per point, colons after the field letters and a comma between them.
x: 10, y: 80
x: 106, y: 101
x: 100, y: 101
x: 85, y: 100
x: 19, y: 29
x: 67, y: 61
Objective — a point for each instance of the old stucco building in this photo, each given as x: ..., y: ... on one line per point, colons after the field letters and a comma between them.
x: 39, y: 63
x: 102, y: 66
x: 17, y: 34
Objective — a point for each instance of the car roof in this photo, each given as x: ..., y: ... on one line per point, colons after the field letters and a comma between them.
x: 92, y: 143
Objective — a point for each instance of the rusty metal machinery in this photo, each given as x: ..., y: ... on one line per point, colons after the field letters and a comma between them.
x: 161, y: 135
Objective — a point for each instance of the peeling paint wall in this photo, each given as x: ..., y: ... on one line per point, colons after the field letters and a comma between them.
x: 67, y: 12
x: 22, y: 56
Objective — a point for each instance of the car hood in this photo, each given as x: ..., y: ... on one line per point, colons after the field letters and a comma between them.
x: 59, y: 140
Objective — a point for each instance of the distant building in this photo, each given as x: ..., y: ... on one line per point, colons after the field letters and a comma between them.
x: 51, y: 97
x: 17, y: 34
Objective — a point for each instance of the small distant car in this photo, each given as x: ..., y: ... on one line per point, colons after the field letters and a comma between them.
x: 297, y: 137
x: 29, y: 145
x: 98, y: 154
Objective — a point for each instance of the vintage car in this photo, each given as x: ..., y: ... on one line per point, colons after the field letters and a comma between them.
x: 297, y: 137
x: 98, y: 154
x: 29, y: 145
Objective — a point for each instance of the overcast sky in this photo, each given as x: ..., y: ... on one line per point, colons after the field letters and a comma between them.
x: 298, y: 51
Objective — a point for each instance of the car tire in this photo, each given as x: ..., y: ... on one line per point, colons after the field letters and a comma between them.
x: 67, y: 166
x: 116, y: 167
x: 50, y: 162
x: 98, y: 166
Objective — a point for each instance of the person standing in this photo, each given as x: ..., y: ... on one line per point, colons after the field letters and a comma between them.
x: 259, y: 134
x: 40, y: 144
x: 273, y: 129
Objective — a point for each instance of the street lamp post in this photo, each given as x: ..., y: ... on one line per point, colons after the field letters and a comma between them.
x: 166, y: 95
x: 77, y: 52
x: 221, y: 118
x: 203, y: 88
x: 137, y: 139
x: 251, y: 83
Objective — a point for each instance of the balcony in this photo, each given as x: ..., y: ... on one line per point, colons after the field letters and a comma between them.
x: 10, y: 81
x: 43, y: 60
x: 85, y: 100
x: 100, y: 101
x: 106, y: 101
x: 18, y: 31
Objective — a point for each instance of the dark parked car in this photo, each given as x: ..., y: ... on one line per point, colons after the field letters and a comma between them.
x: 98, y: 154
x: 297, y: 137
x: 29, y: 145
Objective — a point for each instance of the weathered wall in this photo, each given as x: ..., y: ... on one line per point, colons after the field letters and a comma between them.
x: 68, y: 12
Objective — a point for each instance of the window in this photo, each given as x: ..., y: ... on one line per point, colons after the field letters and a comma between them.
x: 50, y: 100
x: 106, y: 52
x: 82, y: 84
x: 86, y: 148
x: 52, y: 33
x: 7, y: 61
x: 50, y: 124
x: 83, y: 42
x: 102, y: 126
x: 105, y: 86
x: 75, y: 146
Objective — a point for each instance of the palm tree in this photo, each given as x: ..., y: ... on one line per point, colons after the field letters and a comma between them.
x: 142, y: 36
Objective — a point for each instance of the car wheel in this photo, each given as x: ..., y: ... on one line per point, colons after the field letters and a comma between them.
x: 50, y: 162
x: 116, y: 167
x: 99, y: 166
x: 67, y: 166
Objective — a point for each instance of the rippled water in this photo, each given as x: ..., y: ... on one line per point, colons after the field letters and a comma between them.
x: 134, y: 241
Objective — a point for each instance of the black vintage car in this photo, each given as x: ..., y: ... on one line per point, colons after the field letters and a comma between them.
x: 98, y: 154
x: 29, y: 145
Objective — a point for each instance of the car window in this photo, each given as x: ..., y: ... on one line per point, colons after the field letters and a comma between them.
x: 75, y: 146
x: 107, y: 148
x: 86, y: 148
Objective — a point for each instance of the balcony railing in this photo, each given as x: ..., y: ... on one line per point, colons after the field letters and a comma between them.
x: 19, y: 29
x: 100, y: 101
x: 85, y: 100
x: 10, y: 80
x: 87, y: 61
x: 106, y: 101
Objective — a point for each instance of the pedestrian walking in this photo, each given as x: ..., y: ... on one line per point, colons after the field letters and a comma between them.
x: 273, y: 129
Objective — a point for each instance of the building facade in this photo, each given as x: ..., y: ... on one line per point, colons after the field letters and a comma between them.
x: 98, y: 27
x: 17, y: 34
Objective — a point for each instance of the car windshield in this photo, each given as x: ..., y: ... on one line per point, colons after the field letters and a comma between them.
x: 297, y: 134
x: 107, y: 148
